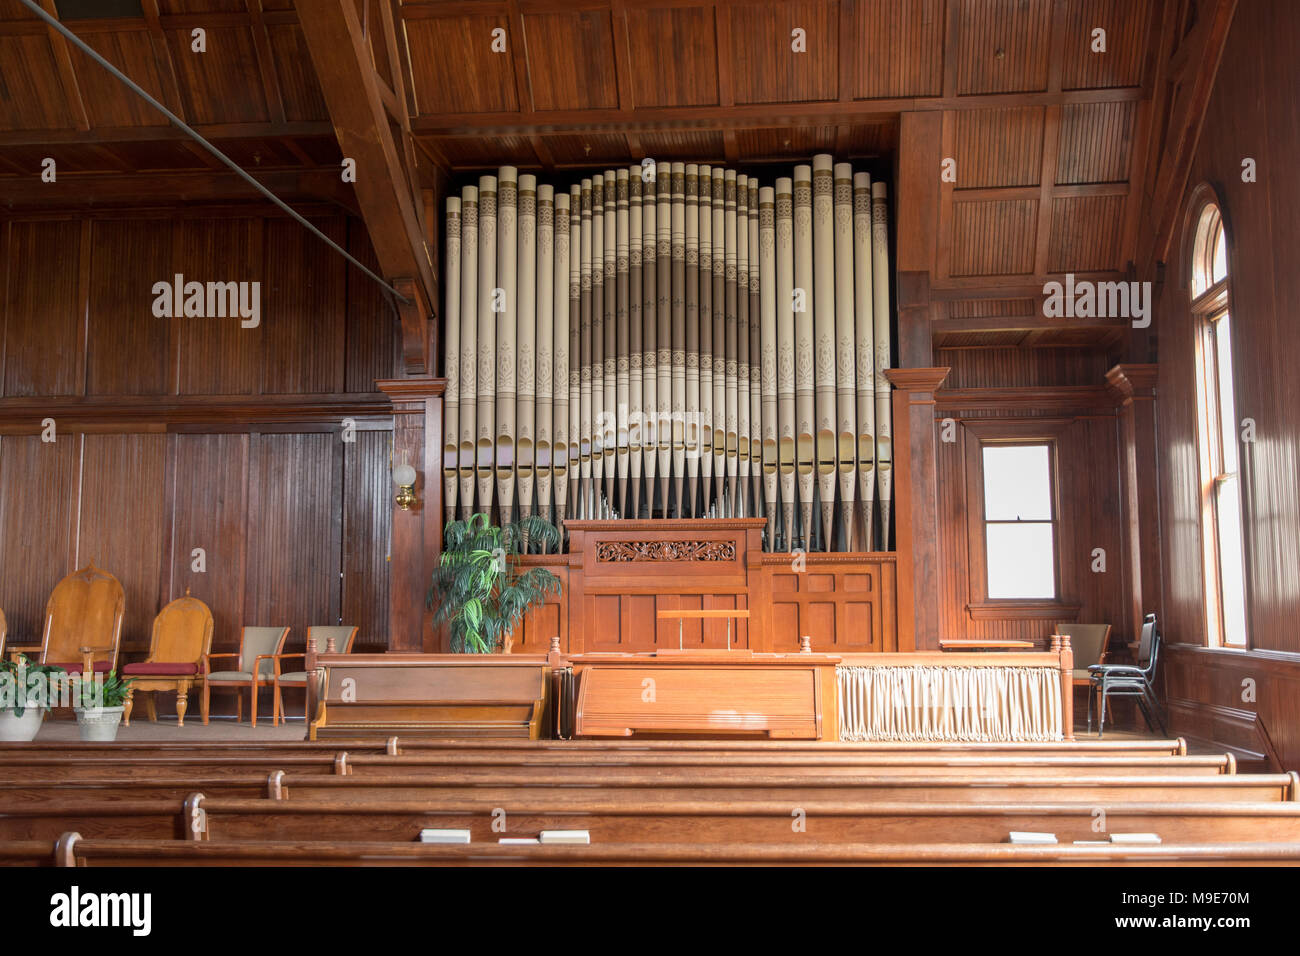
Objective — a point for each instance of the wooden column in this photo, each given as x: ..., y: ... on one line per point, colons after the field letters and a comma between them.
x: 916, y: 210
x: 1135, y: 388
x: 417, y: 533
x: 916, y: 506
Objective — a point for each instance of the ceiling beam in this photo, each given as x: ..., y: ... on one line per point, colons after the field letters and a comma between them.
x: 341, y: 56
x: 73, y: 190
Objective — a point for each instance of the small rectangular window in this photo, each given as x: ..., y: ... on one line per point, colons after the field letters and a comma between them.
x: 1019, y: 521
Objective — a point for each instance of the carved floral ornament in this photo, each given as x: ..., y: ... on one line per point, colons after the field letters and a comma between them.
x: 615, y: 551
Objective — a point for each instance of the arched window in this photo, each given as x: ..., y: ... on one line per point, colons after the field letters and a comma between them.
x: 1225, y: 576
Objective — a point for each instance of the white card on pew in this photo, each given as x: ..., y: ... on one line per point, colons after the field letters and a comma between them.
x: 1134, y: 838
x: 1024, y: 836
x: 431, y: 835
x: 565, y: 836
x: 515, y: 841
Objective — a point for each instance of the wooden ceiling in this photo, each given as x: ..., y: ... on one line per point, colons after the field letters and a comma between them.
x: 1048, y: 137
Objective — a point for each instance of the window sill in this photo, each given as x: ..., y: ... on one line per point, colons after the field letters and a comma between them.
x: 1022, y: 611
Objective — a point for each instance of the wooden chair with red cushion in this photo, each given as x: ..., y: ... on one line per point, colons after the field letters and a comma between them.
x: 83, y: 623
x: 182, y: 638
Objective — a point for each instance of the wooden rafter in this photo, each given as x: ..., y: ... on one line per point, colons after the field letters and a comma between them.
x: 342, y: 58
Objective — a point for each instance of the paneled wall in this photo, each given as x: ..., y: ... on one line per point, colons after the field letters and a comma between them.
x: 1251, y: 115
x: 250, y: 465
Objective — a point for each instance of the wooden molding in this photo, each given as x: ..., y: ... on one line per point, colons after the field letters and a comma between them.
x: 923, y: 380
x: 1132, y: 381
x: 1054, y: 398
x: 1022, y: 611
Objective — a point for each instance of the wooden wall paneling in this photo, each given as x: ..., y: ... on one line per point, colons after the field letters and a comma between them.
x: 1096, y: 143
x: 301, y: 93
x: 1002, y: 47
x: 911, y: 62
x: 219, y: 356
x: 367, y: 524
x: 459, y: 72
x: 993, y: 237
x: 107, y: 102
x: 1002, y: 147
x: 766, y: 69
x: 1126, y: 25
x: 215, y: 85
x: 303, y: 308
x: 294, y: 531
x: 571, y: 60
x: 1085, y: 233
x: 38, y: 509
x: 121, y: 521
x: 682, y: 36
x: 211, y: 512
x: 43, y: 325
x: 371, y: 346
x: 127, y: 345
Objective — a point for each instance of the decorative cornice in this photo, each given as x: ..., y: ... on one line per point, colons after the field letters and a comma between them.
x: 917, y: 379
x: 1055, y: 398
x: 1133, y: 381
x: 411, y: 389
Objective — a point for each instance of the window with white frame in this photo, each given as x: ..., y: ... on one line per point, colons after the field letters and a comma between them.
x: 1019, y: 521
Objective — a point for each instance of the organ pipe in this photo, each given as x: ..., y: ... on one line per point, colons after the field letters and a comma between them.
x: 612, y: 343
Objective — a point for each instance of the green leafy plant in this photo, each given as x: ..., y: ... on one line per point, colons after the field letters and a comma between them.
x: 24, y: 684
x: 110, y: 693
x: 478, y: 589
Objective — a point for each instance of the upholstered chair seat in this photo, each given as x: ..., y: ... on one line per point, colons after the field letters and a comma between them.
x: 319, y: 636
x: 257, y: 663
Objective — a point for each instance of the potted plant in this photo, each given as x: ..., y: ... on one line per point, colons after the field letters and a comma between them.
x: 99, y: 705
x: 27, y: 690
x: 478, y: 589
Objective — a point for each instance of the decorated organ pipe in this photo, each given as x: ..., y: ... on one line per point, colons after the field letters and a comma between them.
x: 612, y: 342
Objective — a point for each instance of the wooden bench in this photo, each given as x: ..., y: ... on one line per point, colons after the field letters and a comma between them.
x: 610, y: 820
x: 72, y: 849
x: 510, y: 786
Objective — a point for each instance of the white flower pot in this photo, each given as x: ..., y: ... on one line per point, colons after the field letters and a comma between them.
x: 99, y: 723
x: 20, y: 729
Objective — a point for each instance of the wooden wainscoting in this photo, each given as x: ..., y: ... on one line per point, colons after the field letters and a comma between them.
x: 618, y: 576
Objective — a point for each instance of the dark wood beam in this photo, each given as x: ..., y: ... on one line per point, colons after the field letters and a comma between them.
x: 67, y: 75
x: 342, y: 58
x: 73, y: 190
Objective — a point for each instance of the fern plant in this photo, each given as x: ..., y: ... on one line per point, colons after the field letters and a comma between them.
x: 478, y: 589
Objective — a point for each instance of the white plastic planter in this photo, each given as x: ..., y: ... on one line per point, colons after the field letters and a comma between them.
x: 14, y: 728
x: 99, y: 724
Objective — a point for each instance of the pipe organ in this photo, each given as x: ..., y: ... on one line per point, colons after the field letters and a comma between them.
x: 673, y: 340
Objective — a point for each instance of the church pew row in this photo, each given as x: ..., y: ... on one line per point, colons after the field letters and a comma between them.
x: 514, y: 785
x: 1089, y: 747
x: 611, y: 820
x: 72, y: 850
x: 43, y: 769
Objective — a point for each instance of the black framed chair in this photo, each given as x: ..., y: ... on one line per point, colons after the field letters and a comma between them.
x: 1127, y: 680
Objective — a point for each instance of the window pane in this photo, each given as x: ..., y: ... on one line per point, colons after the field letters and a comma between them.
x: 1227, y: 406
x: 1021, y: 561
x: 1219, y: 270
x: 1231, y: 564
x: 1017, y: 483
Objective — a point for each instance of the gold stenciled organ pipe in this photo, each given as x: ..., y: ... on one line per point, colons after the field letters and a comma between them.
x: 649, y: 331
x: 880, y: 291
x: 706, y: 334
x: 692, y: 349
x: 575, y: 344
x: 468, y: 320
x: 543, y: 431
x: 451, y: 367
x: 507, y: 334
x: 487, y: 339
x: 719, y: 296
x: 845, y: 352
x: 616, y: 333
x: 804, y: 366
x: 785, y: 354
x: 767, y: 353
x: 526, y: 353
x: 742, y: 500
x: 866, y: 351
x: 636, y: 342
x: 560, y: 372
x: 754, y: 496
x: 584, y: 421
x: 824, y: 336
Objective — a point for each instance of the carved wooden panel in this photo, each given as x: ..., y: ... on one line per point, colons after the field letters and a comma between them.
x: 666, y: 551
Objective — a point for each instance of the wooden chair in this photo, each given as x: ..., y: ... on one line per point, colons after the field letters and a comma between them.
x: 83, y: 623
x: 258, y: 649
x: 320, y: 637
x: 1089, y: 643
x: 182, y: 638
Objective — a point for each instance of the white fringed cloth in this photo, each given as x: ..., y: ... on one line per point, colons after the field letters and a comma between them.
x: 986, y: 704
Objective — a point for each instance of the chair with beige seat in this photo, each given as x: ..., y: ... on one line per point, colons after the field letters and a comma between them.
x: 326, y: 639
x: 258, y: 649
x: 182, y: 638
x: 1089, y: 644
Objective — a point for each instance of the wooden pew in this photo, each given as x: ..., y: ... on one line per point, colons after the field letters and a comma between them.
x: 512, y: 786
x: 610, y: 820
x: 73, y: 850
x: 44, y: 769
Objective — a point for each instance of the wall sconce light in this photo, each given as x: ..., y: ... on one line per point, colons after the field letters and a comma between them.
x: 404, y: 478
